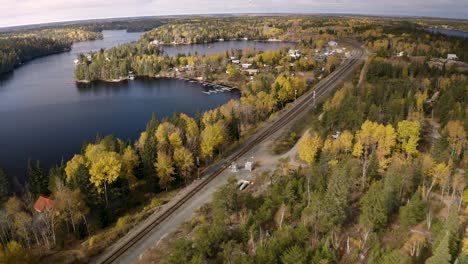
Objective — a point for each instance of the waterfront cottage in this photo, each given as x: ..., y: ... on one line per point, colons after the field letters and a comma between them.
x: 43, y: 203
x: 452, y: 57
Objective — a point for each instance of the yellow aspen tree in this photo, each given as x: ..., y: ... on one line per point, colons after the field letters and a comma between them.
x: 129, y: 162
x: 366, y: 143
x: 162, y: 135
x: 192, y: 132
x: 73, y: 165
x: 458, y: 186
x: 175, y: 140
x: 420, y: 99
x: 105, y: 171
x: 211, y: 137
x: 346, y: 141
x: 408, y: 136
x: 185, y: 162
x: 142, y: 140
x: 386, y: 142
x: 308, y: 147
x: 439, y: 174
x: 94, y: 152
x: 165, y: 169
x: 456, y: 137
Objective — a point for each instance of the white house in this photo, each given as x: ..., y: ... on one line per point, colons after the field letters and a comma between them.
x: 332, y: 43
x: 452, y: 57
x: 294, y: 53
x: 401, y: 54
x: 246, y: 65
x: 252, y: 72
x: 235, y: 61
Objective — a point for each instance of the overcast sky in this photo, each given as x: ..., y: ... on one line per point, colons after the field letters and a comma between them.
x: 20, y: 12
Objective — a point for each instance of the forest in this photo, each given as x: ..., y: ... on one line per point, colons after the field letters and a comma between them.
x: 17, y: 48
x: 20, y: 46
x: 390, y: 189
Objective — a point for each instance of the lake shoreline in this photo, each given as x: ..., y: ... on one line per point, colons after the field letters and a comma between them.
x: 158, y: 77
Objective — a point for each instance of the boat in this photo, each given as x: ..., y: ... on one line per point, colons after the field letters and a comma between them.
x: 206, y: 92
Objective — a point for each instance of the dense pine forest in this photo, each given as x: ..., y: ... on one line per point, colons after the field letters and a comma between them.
x: 390, y: 188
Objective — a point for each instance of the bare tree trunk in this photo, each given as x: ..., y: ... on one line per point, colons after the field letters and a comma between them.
x: 460, y: 202
x: 282, y: 216
x: 428, y: 220
x: 308, y: 190
x: 429, y: 190
x: 348, y: 250
x: 105, y: 194
x: 36, y: 237
x: 86, y: 223
x: 364, y: 172
x: 46, y: 240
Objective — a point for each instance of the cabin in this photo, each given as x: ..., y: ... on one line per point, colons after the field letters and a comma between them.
x: 43, y: 204
x: 252, y: 72
x: 332, y: 43
x: 337, y: 135
x: 452, y: 57
x: 294, y: 54
x: 401, y: 54
x: 235, y: 61
x: 246, y: 65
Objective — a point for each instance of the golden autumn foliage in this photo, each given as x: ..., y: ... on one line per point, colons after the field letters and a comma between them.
x: 105, y: 170
x: 308, y: 147
x: 408, y: 136
x: 73, y: 165
x: 211, y: 137
x: 165, y: 169
x: 456, y: 137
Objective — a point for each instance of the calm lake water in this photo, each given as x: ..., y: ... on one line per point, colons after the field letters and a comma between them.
x: 46, y: 116
x: 448, y: 32
x: 222, y: 46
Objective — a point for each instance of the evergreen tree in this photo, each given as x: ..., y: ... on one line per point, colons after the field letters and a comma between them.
x: 149, y: 151
x: 441, y: 254
x: 38, y: 182
x: 5, y: 190
x: 414, y: 211
x: 373, y: 208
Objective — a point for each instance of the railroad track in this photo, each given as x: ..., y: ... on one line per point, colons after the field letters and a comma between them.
x: 300, y: 105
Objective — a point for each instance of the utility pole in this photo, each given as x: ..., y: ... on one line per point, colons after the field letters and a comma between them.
x: 313, y: 96
x: 198, y: 167
x: 295, y: 94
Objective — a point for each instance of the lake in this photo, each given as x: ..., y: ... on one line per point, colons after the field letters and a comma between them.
x: 449, y: 32
x: 223, y: 46
x: 46, y: 116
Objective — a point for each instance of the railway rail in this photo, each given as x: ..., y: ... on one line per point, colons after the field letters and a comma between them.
x: 313, y: 96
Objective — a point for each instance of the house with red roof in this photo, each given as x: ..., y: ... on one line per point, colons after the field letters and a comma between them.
x: 43, y: 203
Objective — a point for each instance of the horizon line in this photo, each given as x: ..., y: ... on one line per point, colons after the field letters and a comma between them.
x: 76, y: 21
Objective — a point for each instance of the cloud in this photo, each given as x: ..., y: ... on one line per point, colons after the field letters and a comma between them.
x: 38, y: 11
